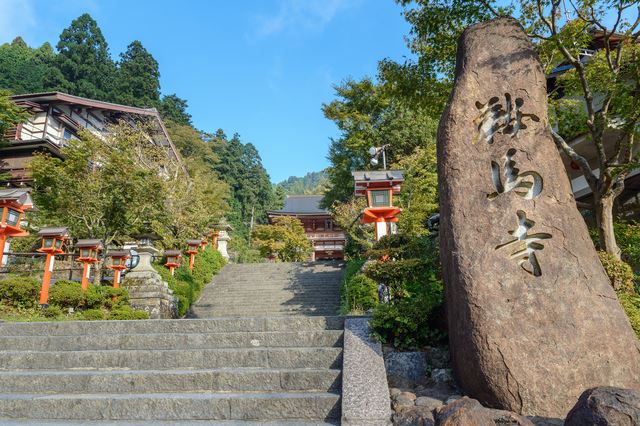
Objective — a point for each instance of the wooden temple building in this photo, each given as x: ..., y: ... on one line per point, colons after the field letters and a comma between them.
x: 56, y: 118
x: 326, y: 237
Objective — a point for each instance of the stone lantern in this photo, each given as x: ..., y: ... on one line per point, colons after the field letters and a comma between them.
x: 13, y: 204
x: 223, y: 237
x: 145, y: 249
x: 53, y: 240
x: 172, y: 259
x: 118, y: 264
x: 89, y: 250
x: 194, y: 245
x: 379, y: 187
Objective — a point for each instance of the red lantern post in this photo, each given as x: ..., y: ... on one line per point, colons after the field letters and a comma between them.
x: 118, y: 264
x: 204, y: 243
x: 379, y: 187
x: 89, y: 250
x: 213, y: 237
x: 173, y: 259
x: 193, y: 250
x: 13, y: 204
x: 52, y: 241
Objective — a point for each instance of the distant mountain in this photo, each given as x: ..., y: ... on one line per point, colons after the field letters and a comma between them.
x: 311, y: 183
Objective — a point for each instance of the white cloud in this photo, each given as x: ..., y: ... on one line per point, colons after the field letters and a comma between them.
x: 17, y: 17
x: 300, y: 16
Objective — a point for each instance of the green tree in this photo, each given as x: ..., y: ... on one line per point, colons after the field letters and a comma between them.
x: 200, y: 199
x: 252, y: 194
x: 138, y: 81
x: 279, y: 195
x: 10, y: 116
x: 102, y: 189
x: 601, y: 91
x: 174, y: 108
x: 285, y: 239
x: 367, y: 115
x: 84, y: 61
x: 311, y: 183
x: 23, y: 69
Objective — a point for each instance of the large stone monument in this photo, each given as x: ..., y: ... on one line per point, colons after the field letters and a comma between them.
x: 533, y: 320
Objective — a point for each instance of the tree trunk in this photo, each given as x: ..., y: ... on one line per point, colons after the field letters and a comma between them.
x: 604, y: 222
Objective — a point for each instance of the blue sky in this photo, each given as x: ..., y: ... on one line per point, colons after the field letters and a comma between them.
x: 261, y: 68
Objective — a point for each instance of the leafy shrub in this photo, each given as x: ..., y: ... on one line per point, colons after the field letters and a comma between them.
x: 186, y: 285
x: 620, y: 273
x: 52, y: 311
x: 352, y: 268
x: 66, y: 294
x: 631, y: 304
x: 628, y: 239
x: 362, y: 293
x: 128, y: 313
x: 93, y: 314
x: 21, y: 292
x: 411, y: 322
x: 113, y: 297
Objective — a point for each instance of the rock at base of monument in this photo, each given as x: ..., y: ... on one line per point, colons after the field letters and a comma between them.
x: 413, y: 416
x: 606, y: 406
x: 469, y: 412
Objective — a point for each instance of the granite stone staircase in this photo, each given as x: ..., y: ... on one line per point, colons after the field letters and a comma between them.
x: 272, y: 289
x: 277, y: 361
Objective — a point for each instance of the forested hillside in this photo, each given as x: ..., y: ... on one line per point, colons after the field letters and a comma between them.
x: 311, y: 183
x: 81, y: 64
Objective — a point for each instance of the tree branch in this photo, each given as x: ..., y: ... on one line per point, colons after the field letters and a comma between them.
x: 582, y: 162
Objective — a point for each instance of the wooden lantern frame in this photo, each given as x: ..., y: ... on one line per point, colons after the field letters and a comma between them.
x: 89, y: 252
x: 118, y: 264
x: 194, y: 246
x: 172, y: 259
x: 53, y: 240
x: 13, y: 204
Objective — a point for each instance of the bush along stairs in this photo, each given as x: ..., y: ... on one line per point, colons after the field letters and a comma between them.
x: 278, y: 364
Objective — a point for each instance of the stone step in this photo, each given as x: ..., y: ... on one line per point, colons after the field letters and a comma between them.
x: 49, y: 422
x: 327, y: 338
x: 239, y: 313
x: 172, y: 406
x: 173, y: 359
x: 209, y: 325
x: 141, y: 381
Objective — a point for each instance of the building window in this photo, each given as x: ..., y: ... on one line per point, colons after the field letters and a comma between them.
x: 67, y: 134
x: 328, y: 225
x: 380, y: 198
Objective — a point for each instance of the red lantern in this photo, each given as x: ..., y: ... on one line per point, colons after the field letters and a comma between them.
x: 193, y: 250
x: 13, y: 204
x: 118, y: 264
x: 379, y: 187
x: 89, y: 250
x: 53, y: 240
x: 173, y: 259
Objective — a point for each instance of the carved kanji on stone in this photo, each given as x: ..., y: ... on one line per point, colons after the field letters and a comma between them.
x: 523, y: 248
x: 527, y: 185
x: 498, y: 118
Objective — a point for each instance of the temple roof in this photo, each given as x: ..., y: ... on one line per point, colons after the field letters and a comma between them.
x: 378, y: 175
x: 302, y: 204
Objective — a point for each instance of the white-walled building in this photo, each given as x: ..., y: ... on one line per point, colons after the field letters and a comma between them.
x: 56, y: 118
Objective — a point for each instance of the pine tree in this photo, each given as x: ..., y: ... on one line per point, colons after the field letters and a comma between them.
x: 84, y: 60
x: 174, y: 108
x: 138, y: 82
